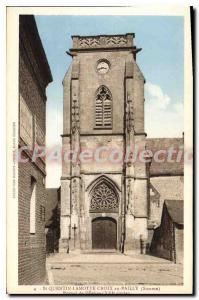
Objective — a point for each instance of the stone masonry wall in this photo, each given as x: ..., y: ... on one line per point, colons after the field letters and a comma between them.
x: 90, y: 81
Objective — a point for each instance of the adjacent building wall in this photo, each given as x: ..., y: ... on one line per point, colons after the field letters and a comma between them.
x: 34, y: 75
x: 163, y: 239
x: 179, y: 243
x: 161, y: 188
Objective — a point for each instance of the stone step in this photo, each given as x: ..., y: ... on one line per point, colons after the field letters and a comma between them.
x: 101, y: 252
x: 105, y: 258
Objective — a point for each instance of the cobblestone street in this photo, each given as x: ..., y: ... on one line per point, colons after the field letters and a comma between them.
x: 112, y: 269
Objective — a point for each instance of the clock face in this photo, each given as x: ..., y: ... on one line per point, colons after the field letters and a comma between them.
x: 102, y: 67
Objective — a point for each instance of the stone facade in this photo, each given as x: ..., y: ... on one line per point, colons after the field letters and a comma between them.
x: 34, y: 75
x: 120, y: 89
x: 104, y: 109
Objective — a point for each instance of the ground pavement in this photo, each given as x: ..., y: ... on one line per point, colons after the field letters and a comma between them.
x: 112, y: 268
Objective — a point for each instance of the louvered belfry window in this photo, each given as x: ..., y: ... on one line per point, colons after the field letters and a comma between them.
x: 103, y: 109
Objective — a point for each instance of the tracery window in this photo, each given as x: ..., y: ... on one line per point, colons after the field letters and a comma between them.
x: 104, y: 198
x: 103, y: 108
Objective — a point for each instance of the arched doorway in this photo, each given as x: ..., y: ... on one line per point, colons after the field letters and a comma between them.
x: 104, y: 233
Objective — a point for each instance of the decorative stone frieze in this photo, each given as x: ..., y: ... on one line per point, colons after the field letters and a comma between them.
x: 103, y: 41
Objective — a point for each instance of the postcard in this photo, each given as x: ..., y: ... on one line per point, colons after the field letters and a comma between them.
x: 99, y: 150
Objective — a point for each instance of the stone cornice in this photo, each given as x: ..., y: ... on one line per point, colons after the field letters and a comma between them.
x: 103, y: 41
x: 95, y: 134
x: 167, y: 174
x: 74, y: 51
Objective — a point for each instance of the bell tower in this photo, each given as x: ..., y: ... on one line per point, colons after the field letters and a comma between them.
x: 103, y: 188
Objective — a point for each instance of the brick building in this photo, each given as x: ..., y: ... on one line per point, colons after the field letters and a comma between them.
x: 110, y: 204
x: 34, y: 76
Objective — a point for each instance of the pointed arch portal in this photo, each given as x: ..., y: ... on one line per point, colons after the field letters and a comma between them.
x: 104, y: 206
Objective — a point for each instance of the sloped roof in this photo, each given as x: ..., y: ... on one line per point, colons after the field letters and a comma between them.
x: 165, y: 168
x: 175, y: 210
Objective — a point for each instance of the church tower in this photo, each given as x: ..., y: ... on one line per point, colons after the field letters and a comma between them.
x: 103, y: 192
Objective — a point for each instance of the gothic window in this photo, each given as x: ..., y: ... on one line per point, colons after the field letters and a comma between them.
x: 104, y: 198
x: 33, y: 206
x: 103, y: 108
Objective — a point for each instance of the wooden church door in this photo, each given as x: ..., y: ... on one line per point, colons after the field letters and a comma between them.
x: 104, y: 233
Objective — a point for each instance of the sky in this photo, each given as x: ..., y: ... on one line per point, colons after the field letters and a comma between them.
x: 161, y: 61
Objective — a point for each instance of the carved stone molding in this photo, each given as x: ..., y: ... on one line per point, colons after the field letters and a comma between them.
x: 129, y: 114
x: 129, y: 196
x: 103, y: 41
x: 75, y: 111
x: 74, y: 195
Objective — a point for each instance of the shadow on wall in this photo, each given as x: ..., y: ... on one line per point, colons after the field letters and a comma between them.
x: 53, y: 232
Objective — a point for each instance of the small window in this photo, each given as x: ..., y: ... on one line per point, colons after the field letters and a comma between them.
x: 33, y: 206
x: 42, y: 213
x: 103, y: 108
